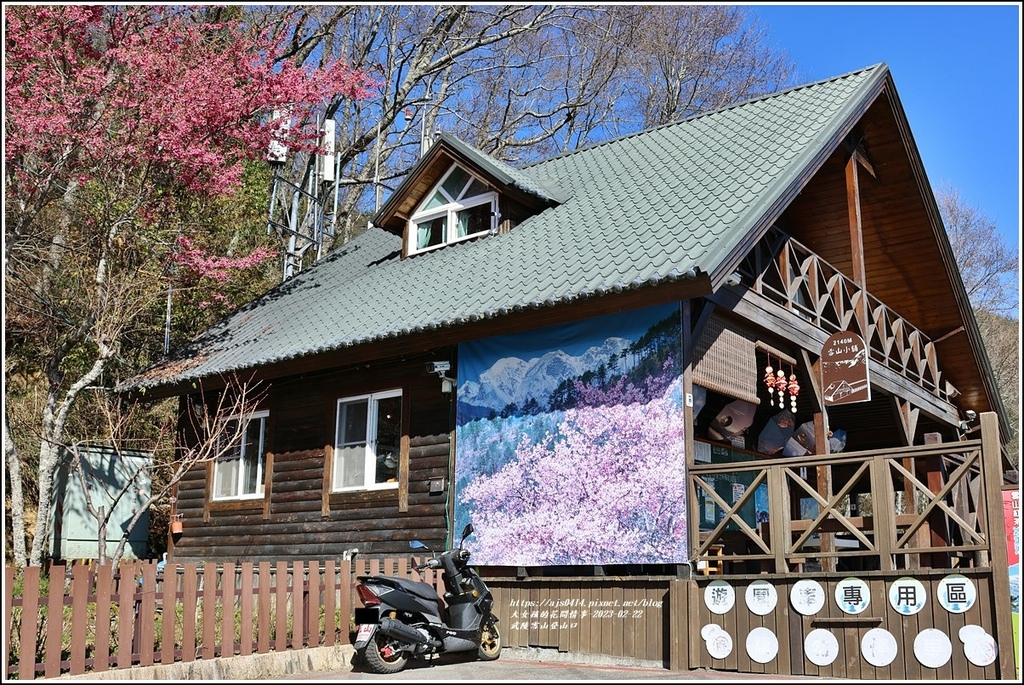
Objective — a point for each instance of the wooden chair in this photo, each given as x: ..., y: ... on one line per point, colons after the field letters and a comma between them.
x: 716, y: 566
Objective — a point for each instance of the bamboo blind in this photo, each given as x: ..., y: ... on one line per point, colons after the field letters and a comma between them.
x: 725, y: 362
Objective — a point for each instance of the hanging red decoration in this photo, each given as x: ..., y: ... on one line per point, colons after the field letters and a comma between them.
x: 780, y: 385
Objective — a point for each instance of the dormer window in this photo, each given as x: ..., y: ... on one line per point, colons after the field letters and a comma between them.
x: 459, y: 207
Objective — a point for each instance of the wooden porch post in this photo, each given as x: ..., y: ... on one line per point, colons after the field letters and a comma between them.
x: 824, y: 486
x: 992, y: 472
x: 692, y: 516
x: 859, y: 274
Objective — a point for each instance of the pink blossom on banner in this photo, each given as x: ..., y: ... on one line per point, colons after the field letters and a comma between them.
x: 607, y: 487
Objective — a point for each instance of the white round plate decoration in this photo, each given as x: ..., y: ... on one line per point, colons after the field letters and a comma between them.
x: 970, y: 632
x: 719, y: 644
x: 932, y: 647
x: 719, y: 596
x: 708, y: 630
x: 981, y: 649
x: 879, y: 647
x: 852, y: 595
x: 807, y: 596
x: 956, y: 593
x: 821, y: 647
x: 761, y: 597
x: 762, y: 645
x: 907, y: 595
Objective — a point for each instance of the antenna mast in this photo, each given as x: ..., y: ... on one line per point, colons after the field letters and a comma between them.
x: 299, y: 209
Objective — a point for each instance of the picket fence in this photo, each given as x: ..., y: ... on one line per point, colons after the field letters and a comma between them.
x: 81, y: 618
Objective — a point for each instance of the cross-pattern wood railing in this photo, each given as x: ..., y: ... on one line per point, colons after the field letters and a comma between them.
x: 786, y: 272
x: 881, y: 513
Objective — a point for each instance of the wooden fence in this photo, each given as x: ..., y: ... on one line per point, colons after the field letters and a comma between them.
x: 189, y: 612
x: 90, y: 618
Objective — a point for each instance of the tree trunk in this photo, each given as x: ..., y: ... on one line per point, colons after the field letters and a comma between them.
x: 49, y: 460
x: 11, y: 459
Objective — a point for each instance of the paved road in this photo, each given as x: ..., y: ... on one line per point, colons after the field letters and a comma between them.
x: 520, y: 667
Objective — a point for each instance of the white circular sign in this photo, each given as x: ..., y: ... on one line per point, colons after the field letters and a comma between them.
x: 708, y: 630
x: 719, y: 596
x: 970, y: 632
x: 852, y: 595
x: 719, y: 644
x: 907, y: 595
x: 878, y: 647
x: 981, y: 649
x: 821, y: 647
x: 807, y: 596
x: 761, y: 597
x: 956, y: 593
x: 762, y: 645
x: 932, y: 647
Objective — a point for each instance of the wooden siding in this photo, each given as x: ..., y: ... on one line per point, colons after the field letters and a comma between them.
x: 617, y: 617
x: 299, y: 521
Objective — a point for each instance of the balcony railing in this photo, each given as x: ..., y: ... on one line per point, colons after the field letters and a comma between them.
x: 789, y: 274
x: 912, y: 507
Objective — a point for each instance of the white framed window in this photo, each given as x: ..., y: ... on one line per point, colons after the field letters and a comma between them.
x: 240, y: 472
x: 459, y: 207
x: 367, y: 444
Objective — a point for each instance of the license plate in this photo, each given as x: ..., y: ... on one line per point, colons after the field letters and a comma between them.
x: 364, y: 633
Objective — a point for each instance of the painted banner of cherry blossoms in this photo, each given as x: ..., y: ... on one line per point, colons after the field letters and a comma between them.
x: 569, y: 443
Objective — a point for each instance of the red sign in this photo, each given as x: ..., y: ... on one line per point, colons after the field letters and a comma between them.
x: 844, y: 369
x: 1011, y: 514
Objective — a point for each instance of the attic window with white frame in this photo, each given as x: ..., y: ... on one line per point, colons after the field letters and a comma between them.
x: 459, y: 207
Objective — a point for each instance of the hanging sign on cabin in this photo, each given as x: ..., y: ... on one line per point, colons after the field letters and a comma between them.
x: 844, y: 369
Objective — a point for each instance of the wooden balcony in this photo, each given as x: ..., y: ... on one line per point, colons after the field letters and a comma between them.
x: 785, y: 272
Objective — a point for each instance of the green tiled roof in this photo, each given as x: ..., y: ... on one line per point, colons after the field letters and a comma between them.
x: 643, y: 209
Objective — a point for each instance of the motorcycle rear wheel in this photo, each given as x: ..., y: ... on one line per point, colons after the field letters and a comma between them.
x: 381, y: 656
x: 490, y: 641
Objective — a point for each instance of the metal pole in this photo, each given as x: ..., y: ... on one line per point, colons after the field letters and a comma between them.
x: 167, y: 324
x: 376, y: 174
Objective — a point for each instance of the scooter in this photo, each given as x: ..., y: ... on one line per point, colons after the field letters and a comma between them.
x: 404, y: 619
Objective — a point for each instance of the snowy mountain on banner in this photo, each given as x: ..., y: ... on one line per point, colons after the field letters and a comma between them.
x: 512, y: 380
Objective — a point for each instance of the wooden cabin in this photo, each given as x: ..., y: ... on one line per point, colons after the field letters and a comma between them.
x: 732, y: 347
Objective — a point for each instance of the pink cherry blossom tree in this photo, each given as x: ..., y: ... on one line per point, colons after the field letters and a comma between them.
x: 115, y: 118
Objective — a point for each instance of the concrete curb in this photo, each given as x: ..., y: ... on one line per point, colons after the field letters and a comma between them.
x: 549, y: 655
x: 250, y: 667
x: 319, y: 660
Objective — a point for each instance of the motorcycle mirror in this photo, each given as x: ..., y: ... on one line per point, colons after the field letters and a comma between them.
x: 416, y: 544
x: 467, y: 531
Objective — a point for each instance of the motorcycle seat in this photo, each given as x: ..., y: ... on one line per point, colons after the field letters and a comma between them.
x: 415, y: 587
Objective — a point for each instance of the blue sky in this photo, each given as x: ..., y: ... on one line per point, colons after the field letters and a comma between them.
x: 957, y: 71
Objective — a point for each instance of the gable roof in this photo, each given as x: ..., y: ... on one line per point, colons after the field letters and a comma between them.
x: 684, y: 201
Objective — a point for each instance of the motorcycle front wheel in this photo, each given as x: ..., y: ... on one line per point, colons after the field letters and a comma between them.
x: 382, y: 657
x: 490, y: 640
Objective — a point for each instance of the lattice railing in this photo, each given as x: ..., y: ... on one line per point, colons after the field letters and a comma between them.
x: 789, y: 274
x: 913, y: 507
